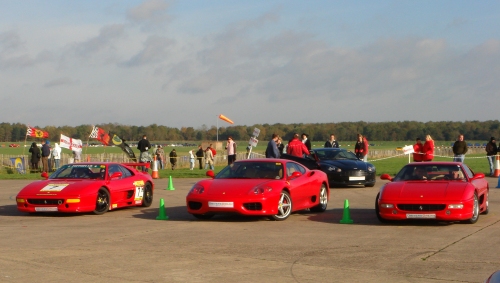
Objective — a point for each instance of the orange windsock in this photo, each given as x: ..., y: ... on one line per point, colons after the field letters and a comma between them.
x: 222, y: 117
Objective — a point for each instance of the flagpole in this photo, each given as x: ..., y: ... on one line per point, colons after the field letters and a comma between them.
x: 25, y: 139
x: 217, y: 128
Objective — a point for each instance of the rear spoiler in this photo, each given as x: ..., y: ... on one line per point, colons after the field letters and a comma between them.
x: 145, y: 164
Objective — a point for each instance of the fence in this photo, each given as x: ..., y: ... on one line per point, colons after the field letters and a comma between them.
x: 183, y: 161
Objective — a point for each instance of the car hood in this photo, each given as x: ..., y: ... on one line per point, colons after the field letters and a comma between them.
x: 59, y: 187
x: 424, y: 190
x: 233, y: 187
x: 346, y: 164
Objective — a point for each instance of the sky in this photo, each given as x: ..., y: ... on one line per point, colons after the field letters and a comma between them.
x: 182, y: 63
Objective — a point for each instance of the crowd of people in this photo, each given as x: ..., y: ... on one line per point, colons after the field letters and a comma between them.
x: 298, y: 146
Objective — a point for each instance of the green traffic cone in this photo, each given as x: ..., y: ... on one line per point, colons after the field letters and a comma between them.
x: 346, y: 218
x: 170, y: 185
x: 161, y: 214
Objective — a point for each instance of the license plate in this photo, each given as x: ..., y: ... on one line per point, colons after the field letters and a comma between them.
x: 220, y: 204
x: 45, y: 208
x: 357, y: 178
x: 421, y: 216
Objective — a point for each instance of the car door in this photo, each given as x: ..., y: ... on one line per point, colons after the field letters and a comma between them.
x: 122, y: 188
x: 300, y: 187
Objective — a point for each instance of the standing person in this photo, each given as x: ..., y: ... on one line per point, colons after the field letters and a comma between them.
x: 56, y: 154
x: 417, y: 151
x: 214, y: 152
x: 306, y: 141
x: 173, y: 158
x: 143, y: 146
x: 491, y: 151
x: 280, y: 145
x: 332, y: 142
x: 360, y: 149
x: 231, y: 150
x: 199, y: 156
x: 160, y: 154
x: 191, y: 160
x: 296, y: 147
x: 209, y: 159
x: 76, y: 156
x: 35, y: 156
x: 428, y: 149
x: 459, y: 149
x: 272, y: 148
x: 45, y: 156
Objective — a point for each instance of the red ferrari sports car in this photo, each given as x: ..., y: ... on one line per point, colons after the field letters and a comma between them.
x: 88, y: 187
x: 448, y: 191
x: 265, y: 187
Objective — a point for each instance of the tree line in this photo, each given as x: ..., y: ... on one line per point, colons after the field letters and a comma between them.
x: 343, y: 131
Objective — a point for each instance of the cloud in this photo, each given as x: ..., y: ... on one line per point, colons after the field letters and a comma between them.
x: 155, y: 50
x: 150, y: 14
x: 59, y: 82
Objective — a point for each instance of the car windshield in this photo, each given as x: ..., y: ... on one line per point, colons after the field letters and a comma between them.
x: 252, y: 170
x: 335, y: 155
x: 80, y: 171
x: 430, y: 173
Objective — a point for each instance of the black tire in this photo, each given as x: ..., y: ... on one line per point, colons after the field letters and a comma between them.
x: 323, y: 200
x: 147, y: 197
x: 102, y: 201
x: 475, y: 211
x: 203, y: 216
x: 370, y: 185
x: 284, y: 207
x: 377, y: 211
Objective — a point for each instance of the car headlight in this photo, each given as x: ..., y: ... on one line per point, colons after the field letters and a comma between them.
x: 260, y: 190
x: 455, y: 206
x: 371, y: 169
x: 386, y: 205
x: 334, y: 169
x: 197, y: 189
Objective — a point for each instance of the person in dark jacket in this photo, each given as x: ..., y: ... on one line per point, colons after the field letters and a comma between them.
x: 199, y: 155
x: 272, y: 148
x: 35, y: 156
x: 332, y: 142
x: 491, y: 151
x: 280, y: 145
x: 360, y: 149
x: 173, y: 158
x: 459, y: 149
x: 144, y: 146
x: 45, y: 156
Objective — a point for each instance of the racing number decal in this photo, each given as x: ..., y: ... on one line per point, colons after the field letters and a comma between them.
x: 139, y: 193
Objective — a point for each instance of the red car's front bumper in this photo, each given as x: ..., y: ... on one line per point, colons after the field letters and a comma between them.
x: 56, y: 204
x: 438, y: 210
x: 248, y: 205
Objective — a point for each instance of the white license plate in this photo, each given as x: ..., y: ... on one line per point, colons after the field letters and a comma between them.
x: 357, y: 178
x: 421, y: 216
x: 220, y: 204
x: 45, y: 208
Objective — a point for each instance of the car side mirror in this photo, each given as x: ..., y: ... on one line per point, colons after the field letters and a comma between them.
x: 44, y: 175
x: 478, y: 176
x: 210, y: 174
x: 295, y: 175
x: 116, y: 175
x: 386, y: 177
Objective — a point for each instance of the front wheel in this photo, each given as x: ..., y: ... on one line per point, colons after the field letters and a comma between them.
x: 377, y: 211
x: 323, y: 200
x: 284, y: 207
x: 486, y: 200
x: 147, y: 198
x: 475, y: 211
x: 102, y: 201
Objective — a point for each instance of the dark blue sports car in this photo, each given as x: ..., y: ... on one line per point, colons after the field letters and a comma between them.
x: 342, y: 167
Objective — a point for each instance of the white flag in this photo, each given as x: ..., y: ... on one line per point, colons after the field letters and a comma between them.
x: 71, y: 144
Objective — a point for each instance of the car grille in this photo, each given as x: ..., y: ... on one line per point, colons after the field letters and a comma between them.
x: 356, y: 173
x: 253, y: 206
x: 421, y: 207
x: 195, y: 205
x: 37, y: 201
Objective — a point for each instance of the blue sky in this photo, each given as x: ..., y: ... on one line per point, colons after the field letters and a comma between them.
x: 182, y: 63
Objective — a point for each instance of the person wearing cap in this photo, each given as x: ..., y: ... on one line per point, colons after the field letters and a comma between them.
x: 491, y: 151
x: 417, y: 151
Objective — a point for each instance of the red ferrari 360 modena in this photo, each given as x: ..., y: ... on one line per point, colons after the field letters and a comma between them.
x: 263, y: 187
x: 88, y: 187
x: 448, y: 191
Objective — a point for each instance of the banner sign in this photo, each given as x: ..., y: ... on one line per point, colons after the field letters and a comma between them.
x: 70, y: 143
x: 18, y: 164
x: 408, y: 149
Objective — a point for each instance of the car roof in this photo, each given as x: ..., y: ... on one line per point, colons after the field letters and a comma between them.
x: 329, y: 149
x: 434, y: 163
x: 263, y: 160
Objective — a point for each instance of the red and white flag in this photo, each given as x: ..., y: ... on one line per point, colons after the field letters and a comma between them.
x: 100, y: 135
x: 70, y: 143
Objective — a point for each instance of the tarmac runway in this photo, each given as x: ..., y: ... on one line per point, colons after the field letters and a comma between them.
x: 130, y: 245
